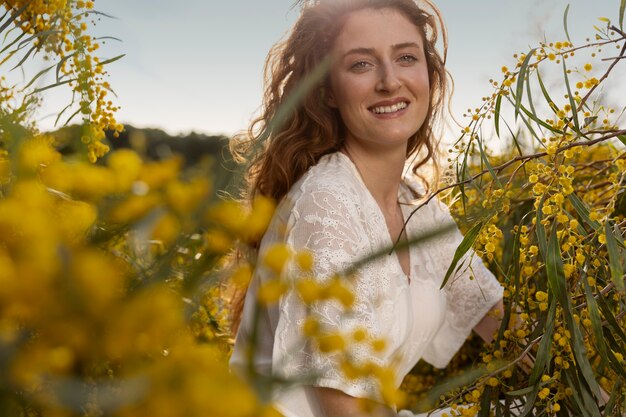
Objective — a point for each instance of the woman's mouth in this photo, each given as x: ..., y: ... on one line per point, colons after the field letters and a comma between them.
x: 389, y: 109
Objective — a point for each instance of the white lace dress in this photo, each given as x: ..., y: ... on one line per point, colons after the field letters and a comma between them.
x: 330, y: 212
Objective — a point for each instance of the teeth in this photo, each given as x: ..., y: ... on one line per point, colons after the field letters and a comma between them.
x: 390, y: 109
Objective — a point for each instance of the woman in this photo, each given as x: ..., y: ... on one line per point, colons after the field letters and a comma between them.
x: 336, y: 166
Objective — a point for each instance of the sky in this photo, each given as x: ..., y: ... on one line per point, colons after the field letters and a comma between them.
x: 196, y: 65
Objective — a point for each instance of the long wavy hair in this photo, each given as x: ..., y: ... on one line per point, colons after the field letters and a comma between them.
x: 280, y: 152
x: 312, y: 129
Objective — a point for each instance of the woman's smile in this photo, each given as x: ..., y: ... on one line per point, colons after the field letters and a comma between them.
x: 379, y: 79
x: 390, y: 108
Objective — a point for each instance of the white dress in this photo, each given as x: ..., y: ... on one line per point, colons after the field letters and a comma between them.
x: 330, y: 212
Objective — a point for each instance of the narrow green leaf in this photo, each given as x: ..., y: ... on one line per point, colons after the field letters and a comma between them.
x: 60, y: 65
x: 483, y: 156
x: 16, y: 40
x: 108, y: 61
x: 485, y: 402
x: 544, y: 351
x: 69, y: 119
x: 616, y: 328
x: 565, y: 23
x: 39, y: 90
x: 544, y: 91
x: 521, y: 391
x: 497, y: 114
x: 572, y: 102
x: 515, y: 141
x: 62, y: 112
x: 294, y: 99
x: 386, y: 251
x: 539, y: 121
x: 531, y: 104
x: 111, y: 38
x: 622, y: 8
x: 43, y: 34
x: 25, y: 57
x: 622, y: 138
x: 583, y: 211
x: 617, y: 389
x: 542, y: 240
x: 519, y: 89
x: 596, y: 320
x: 461, y: 250
x: 554, y: 269
x: 42, y: 72
x: 15, y: 15
x: 615, y: 258
x: 572, y: 382
x: 557, y: 283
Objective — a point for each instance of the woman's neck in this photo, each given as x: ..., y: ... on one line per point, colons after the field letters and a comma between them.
x: 381, y: 171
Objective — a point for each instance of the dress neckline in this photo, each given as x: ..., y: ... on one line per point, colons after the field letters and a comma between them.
x: 388, y: 238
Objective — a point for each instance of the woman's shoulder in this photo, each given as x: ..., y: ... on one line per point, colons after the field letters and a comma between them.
x: 334, y: 173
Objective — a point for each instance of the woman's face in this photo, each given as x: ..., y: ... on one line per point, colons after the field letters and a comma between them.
x: 379, y: 79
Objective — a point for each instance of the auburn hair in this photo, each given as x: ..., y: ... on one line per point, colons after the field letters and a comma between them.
x: 279, y: 150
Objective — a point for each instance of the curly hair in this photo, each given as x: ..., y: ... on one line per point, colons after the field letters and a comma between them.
x: 286, y: 139
x: 280, y: 152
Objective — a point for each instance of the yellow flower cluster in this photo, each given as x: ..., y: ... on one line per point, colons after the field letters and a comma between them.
x: 66, y: 24
x: 99, y: 270
x: 554, y: 224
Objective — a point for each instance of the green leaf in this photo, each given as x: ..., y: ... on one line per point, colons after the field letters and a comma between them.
x: 25, y: 57
x: 596, y: 320
x: 565, y: 23
x: 519, y: 89
x: 497, y: 114
x: 542, y: 240
x: 39, y: 90
x: 108, y: 61
x: 16, y: 40
x: 617, y: 389
x: 42, y: 72
x: 461, y: 250
x: 539, y: 121
x: 531, y: 104
x: 386, y: 251
x: 15, y: 16
x: 544, y: 91
x: 572, y: 102
x: 544, y: 355
x: 583, y: 211
x: 616, y: 328
x: 622, y: 138
x: 557, y: 283
x: 483, y: 156
x: 293, y: 99
x: 622, y: 8
x: 544, y: 351
x: 615, y: 260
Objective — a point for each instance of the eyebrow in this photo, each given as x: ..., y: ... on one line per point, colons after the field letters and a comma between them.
x: 371, y: 51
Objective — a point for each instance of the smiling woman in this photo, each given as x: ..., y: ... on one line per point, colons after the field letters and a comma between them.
x: 381, y: 91
x: 335, y: 165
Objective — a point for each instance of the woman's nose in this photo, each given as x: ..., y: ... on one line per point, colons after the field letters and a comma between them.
x: 388, y: 79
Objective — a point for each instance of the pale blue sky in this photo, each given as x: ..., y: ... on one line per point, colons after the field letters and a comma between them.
x: 196, y: 65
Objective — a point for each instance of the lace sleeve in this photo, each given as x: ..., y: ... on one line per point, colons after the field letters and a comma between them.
x: 470, y: 293
x: 328, y: 222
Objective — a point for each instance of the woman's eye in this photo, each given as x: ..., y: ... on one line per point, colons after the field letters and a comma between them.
x: 359, y: 65
x: 408, y: 58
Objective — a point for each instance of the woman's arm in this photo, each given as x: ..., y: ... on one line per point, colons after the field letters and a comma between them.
x: 487, y: 327
x: 335, y: 403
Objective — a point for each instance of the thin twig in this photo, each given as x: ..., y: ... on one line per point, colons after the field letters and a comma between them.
x: 606, y: 74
